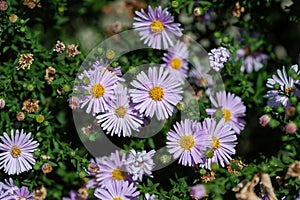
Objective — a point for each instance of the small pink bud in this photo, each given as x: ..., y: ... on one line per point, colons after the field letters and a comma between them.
x: 264, y: 120
x: 291, y: 128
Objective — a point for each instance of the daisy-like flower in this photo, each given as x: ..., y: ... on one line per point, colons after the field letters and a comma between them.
x: 217, y: 58
x: 229, y: 107
x: 175, y: 60
x: 121, y: 118
x: 117, y: 191
x: 157, y: 27
x: 139, y: 164
x: 223, y: 142
x: 200, y: 78
x: 100, y: 90
x: 251, y: 60
x: 149, y: 197
x: 17, y: 152
x: 188, y: 142
x: 23, y: 194
x: 112, y: 169
x: 281, y: 86
x: 156, y: 93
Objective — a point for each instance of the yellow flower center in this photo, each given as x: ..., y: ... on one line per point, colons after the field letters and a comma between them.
x: 176, y: 63
x: 288, y: 90
x: 157, y: 26
x: 157, y: 93
x: 120, y: 111
x: 203, y: 81
x: 97, y: 90
x: 216, y: 143
x: 227, y: 114
x: 187, y: 142
x: 117, y: 198
x: 117, y: 174
x: 15, y: 152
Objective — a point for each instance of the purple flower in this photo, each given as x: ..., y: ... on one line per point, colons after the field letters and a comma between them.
x: 251, y: 61
x: 198, y: 191
x: 150, y: 197
x: 117, y: 191
x: 100, y: 90
x: 229, y: 107
x: 281, y: 86
x: 17, y: 152
x: 74, y: 103
x: 188, y: 142
x: 156, y: 93
x: 121, y: 116
x: 223, y: 142
x: 157, y: 28
x: 112, y: 169
x: 217, y: 58
x: 23, y: 194
x: 175, y: 60
x: 291, y: 128
x: 73, y: 196
x: 200, y: 78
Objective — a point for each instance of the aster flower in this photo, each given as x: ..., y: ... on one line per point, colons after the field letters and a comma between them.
x: 200, y: 78
x: 175, y: 60
x: 30, y: 105
x: 112, y: 170
x: 251, y: 60
x: 72, y: 50
x: 156, y: 93
x: 139, y: 164
x: 74, y: 103
x: 223, y: 142
x: 281, y: 86
x: 100, y: 90
x: 157, y: 27
x: 121, y: 118
x: 229, y: 107
x: 23, y: 193
x: 105, y: 64
x: 217, y: 58
x: 118, y: 191
x: 188, y: 142
x: 50, y: 73
x: 73, y: 196
x: 17, y: 152
x: 25, y: 61
x: 198, y: 191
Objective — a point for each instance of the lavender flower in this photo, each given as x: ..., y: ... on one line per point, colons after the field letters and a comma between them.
x: 156, y: 93
x: 121, y: 116
x: 157, y: 28
x: 198, y: 191
x: 188, y: 142
x: 200, y: 78
x: 17, y: 152
x: 218, y: 57
x: 100, y: 90
x: 150, y: 197
x: 229, y: 107
x: 281, y: 86
x: 251, y: 60
x: 117, y: 191
x: 223, y: 142
x: 112, y: 170
x: 175, y: 60
x: 74, y: 103
x: 23, y: 194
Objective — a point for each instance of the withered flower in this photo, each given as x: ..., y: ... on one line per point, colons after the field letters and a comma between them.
x: 40, y: 193
x: 294, y: 170
x: 208, y: 177
x: 72, y: 50
x: 30, y: 106
x: 83, y: 192
x: 237, y: 10
x: 50, y: 72
x: 59, y: 47
x: 25, y: 61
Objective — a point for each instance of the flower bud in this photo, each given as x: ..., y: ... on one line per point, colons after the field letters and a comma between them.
x: 291, y: 128
x: 2, y: 103
x: 290, y: 111
x: 264, y: 120
x: 20, y: 116
x: 47, y: 168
